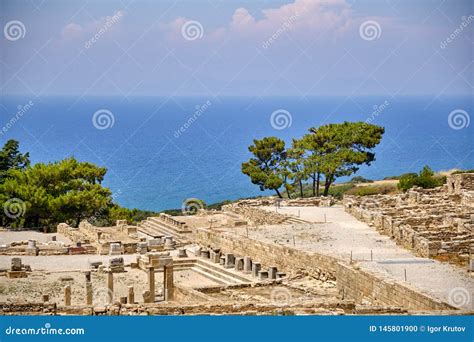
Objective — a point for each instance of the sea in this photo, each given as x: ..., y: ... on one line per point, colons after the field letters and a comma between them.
x: 160, y: 151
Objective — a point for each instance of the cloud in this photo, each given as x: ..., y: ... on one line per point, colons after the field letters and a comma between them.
x: 75, y: 30
x: 71, y: 31
x: 302, y: 17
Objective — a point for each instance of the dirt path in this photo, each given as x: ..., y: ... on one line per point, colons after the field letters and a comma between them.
x: 375, y: 252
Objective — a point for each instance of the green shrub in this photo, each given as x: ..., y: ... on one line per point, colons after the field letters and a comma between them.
x: 360, y: 179
x: 338, y: 191
x: 407, y: 181
x: 425, y: 179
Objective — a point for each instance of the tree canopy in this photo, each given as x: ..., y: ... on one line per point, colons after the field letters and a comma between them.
x: 324, y: 154
x: 46, y: 194
x: 12, y: 158
x: 265, y: 168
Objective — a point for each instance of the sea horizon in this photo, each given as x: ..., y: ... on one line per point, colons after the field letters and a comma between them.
x: 165, y: 163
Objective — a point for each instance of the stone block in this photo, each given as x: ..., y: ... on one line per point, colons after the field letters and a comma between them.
x: 262, y: 275
x: 239, y: 264
x: 256, y: 266
x: 229, y: 261
x: 16, y: 264
x: 272, y: 272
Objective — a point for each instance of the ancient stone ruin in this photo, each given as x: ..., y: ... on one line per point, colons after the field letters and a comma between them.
x: 235, y: 261
x: 434, y: 223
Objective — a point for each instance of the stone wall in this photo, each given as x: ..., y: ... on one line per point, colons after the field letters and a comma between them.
x: 254, y: 214
x: 458, y: 182
x: 431, y: 222
x: 352, y: 283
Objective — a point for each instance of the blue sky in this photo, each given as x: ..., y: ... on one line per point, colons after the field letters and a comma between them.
x: 294, y: 48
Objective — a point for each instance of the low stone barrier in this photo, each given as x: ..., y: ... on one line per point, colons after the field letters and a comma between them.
x: 352, y: 283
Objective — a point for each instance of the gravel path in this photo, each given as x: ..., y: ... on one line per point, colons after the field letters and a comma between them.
x: 343, y: 233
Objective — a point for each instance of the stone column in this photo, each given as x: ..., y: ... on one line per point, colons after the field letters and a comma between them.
x: 168, y: 281
x: 110, y: 285
x: 272, y: 272
x: 88, y: 293
x: 239, y: 264
x: 229, y: 260
x: 45, y: 298
x: 256, y: 266
x: 131, y: 295
x: 67, y: 295
x: 247, y: 264
x: 88, y: 288
x: 151, y: 284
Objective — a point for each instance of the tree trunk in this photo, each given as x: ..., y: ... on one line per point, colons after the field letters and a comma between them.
x: 301, y: 188
x: 278, y: 193
x: 327, y: 184
x: 314, y: 184
x: 318, y: 179
x: 288, y: 193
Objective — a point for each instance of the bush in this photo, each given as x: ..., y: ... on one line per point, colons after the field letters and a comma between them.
x: 360, y: 179
x: 425, y: 179
x: 338, y: 191
x: 407, y: 181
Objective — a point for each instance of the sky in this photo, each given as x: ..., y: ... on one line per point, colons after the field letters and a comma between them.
x: 236, y: 48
